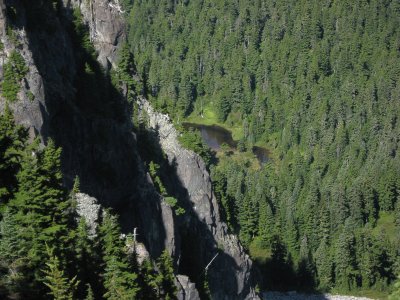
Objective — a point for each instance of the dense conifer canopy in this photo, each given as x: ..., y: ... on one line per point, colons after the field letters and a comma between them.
x: 317, y: 82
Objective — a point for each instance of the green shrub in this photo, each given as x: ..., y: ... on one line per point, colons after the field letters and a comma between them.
x: 12, y: 36
x: 30, y: 96
x: 173, y: 202
x: 14, y: 71
x: 192, y: 140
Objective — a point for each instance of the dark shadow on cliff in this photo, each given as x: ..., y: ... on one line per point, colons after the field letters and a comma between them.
x: 197, y: 245
x: 90, y: 119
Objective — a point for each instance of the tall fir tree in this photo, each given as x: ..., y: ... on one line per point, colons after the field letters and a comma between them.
x: 13, y: 259
x: 86, y: 258
x: 61, y: 288
x: 12, y: 142
x: 166, y: 271
x: 120, y: 281
x: 41, y: 208
x: 150, y: 281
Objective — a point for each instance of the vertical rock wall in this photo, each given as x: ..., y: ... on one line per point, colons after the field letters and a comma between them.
x: 106, y: 24
x: 230, y: 272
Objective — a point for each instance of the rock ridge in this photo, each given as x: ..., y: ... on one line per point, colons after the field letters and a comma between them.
x: 194, y: 177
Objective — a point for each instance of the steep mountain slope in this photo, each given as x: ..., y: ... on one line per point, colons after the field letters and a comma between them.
x: 67, y: 95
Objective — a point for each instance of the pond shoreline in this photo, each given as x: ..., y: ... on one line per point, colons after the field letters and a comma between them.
x: 214, y: 136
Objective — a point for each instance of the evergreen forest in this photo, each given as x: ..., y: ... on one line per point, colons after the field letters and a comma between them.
x: 317, y: 82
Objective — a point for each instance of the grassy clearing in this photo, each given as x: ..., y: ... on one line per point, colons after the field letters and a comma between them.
x: 386, y: 223
x: 242, y: 158
x: 210, y: 118
x: 259, y: 253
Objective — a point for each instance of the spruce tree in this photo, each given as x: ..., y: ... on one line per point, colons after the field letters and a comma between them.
x: 41, y: 209
x: 61, y: 288
x: 119, y: 279
x: 324, y: 265
x: 265, y: 221
x: 126, y: 70
x: 12, y: 142
x: 86, y: 258
x: 150, y: 281
x: 14, y: 70
x: 305, y: 271
x: 397, y: 212
x: 166, y: 270
x: 345, y: 263
x: 41, y: 197
x: 13, y: 260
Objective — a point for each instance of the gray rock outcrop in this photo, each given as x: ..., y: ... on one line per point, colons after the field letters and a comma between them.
x: 88, y: 208
x: 141, y: 253
x: 230, y: 275
x: 187, y: 289
x: 106, y: 26
x: 98, y: 145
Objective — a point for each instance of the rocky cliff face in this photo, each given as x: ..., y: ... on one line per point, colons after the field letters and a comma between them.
x: 96, y: 134
x: 203, y: 234
x: 28, y: 113
x: 106, y: 27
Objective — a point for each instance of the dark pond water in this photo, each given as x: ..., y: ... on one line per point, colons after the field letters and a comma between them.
x: 214, y: 136
x: 262, y: 154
